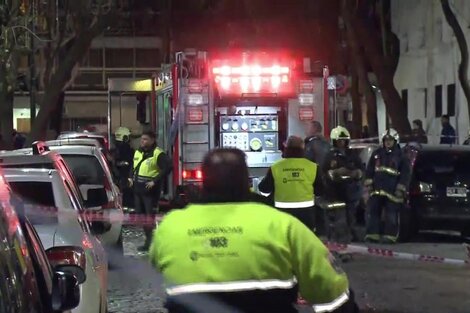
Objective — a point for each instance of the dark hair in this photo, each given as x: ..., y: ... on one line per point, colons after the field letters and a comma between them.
x: 225, y: 176
x: 317, y: 126
x: 446, y: 116
x: 149, y: 133
x: 419, y: 123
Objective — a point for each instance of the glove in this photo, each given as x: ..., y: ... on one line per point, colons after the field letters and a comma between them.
x: 356, y: 174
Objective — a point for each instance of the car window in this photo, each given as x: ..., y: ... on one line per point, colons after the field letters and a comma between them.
x: 86, y: 169
x: 83, y: 221
x: 35, y: 195
x: 442, y: 163
x: 70, y: 179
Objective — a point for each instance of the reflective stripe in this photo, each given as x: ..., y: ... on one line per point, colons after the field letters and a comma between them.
x: 294, y: 205
x: 232, y: 286
x: 387, y: 170
x: 368, y: 182
x: 388, y: 195
x: 335, y: 304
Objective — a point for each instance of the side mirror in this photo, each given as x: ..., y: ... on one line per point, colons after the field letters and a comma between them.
x: 96, y: 197
x: 68, y: 259
x: 65, y: 291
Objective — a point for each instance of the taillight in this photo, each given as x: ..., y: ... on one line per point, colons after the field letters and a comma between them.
x: 192, y: 174
x: 66, y: 255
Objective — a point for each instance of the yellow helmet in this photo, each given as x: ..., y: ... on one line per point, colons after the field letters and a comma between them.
x: 340, y: 132
x: 122, y: 134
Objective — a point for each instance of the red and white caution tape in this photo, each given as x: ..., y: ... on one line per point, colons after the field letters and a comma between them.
x: 387, y: 253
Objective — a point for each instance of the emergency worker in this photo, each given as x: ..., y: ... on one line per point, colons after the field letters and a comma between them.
x: 232, y: 255
x: 316, y: 146
x: 150, y: 167
x: 123, y: 155
x: 293, y: 181
x: 343, y: 172
x: 387, y: 179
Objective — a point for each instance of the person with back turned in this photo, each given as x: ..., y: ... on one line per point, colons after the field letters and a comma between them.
x: 232, y: 255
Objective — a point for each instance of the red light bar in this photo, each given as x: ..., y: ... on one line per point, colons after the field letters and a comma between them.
x: 250, y: 70
x: 192, y: 174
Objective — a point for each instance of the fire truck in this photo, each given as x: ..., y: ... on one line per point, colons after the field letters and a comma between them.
x: 247, y: 100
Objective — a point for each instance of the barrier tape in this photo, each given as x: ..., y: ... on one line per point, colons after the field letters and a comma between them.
x: 152, y: 220
x: 387, y: 253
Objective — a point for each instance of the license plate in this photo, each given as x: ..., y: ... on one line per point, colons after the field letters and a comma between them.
x: 456, y: 192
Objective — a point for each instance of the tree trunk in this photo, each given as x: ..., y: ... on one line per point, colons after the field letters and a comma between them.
x: 393, y: 102
x: 6, y: 118
x: 59, y: 80
x: 461, y: 41
x: 361, y: 70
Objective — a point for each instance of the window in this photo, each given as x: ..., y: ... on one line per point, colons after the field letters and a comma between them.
x: 404, y: 98
x: 425, y: 102
x: 147, y: 58
x: 86, y: 169
x: 438, y: 100
x: 36, y: 194
x: 451, y: 99
x: 122, y: 57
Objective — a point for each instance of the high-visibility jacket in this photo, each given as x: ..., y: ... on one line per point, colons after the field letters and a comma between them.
x: 293, y: 183
x: 148, y: 169
x: 247, y: 255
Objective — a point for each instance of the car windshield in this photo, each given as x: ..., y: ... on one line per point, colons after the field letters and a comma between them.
x: 86, y: 169
x: 33, y: 196
x: 434, y: 164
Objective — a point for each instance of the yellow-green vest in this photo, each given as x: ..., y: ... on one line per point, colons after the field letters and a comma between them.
x: 293, y: 183
x: 149, y: 167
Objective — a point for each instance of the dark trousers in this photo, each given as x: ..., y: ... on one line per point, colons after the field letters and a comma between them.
x: 305, y: 215
x: 375, y: 207
x: 146, y: 202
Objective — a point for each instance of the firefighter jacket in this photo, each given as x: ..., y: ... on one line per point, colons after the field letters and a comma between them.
x: 292, y: 180
x: 246, y: 255
x: 342, y: 187
x: 388, y: 173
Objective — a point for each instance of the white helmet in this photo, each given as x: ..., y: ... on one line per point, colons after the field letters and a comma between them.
x: 121, y: 134
x: 391, y: 133
x: 340, y: 132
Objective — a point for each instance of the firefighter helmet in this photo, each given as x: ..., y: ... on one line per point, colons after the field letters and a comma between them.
x: 340, y: 132
x: 391, y: 133
x: 122, y: 134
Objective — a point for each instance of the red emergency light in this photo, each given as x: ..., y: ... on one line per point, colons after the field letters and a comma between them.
x: 252, y: 78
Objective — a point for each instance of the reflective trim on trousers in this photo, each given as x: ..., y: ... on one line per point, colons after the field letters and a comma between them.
x: 387, y: 170
x: 333, y: 305
x: 232, y: 286
x: 294, y: 205
x: 388, y: 195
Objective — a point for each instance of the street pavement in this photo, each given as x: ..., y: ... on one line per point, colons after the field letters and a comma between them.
x: 381, y: 285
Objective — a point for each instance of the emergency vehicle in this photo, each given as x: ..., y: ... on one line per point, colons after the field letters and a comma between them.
x: 248, y: 100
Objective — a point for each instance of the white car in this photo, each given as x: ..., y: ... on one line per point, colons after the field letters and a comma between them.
x: 101, y: 197
x: 48, y: 188
x: 88, y: 165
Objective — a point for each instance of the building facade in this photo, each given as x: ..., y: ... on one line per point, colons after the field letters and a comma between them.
x: 427, y: 74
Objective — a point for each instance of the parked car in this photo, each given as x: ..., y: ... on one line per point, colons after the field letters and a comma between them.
x: 57, y: 216
x: 439, y: 195
x: 40, y: 156
x: 105, y: 144
x: 91, y: 171
x: 30, y: 283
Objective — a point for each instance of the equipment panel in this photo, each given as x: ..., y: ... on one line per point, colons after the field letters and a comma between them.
x: 255, y: 133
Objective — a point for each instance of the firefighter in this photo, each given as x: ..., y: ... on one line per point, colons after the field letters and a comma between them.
x: 343, y: 172
x: 150, y: 167
x: 228, y: 254
x: 293, y: 181
x: 387, y: 179
x: 123, y: 155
